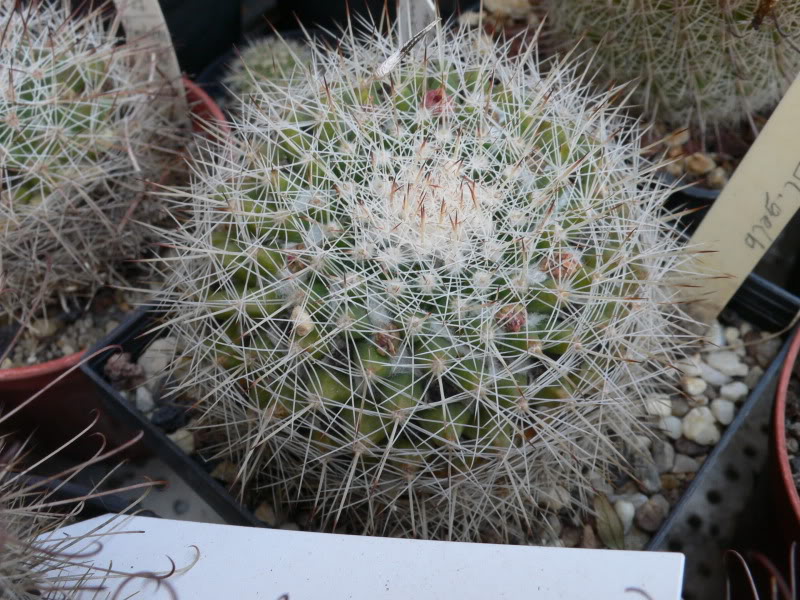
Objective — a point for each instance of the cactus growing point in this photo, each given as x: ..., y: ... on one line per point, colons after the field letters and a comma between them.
x: 429, y: 303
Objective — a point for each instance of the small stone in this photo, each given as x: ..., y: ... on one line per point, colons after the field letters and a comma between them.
x: 670, y: 481
x: 753, y: 377
x: 712, y: 376
x: 695, y: 401
x: 636, y: 499
x: 765, y: 351
x: 600, y: 484
x: 792, y: 445
x: 180, y: 507
x: 734, y: 391
x: 571, y: 536
x: 676, y: 138
x: 690, y: 366
x: 225, y: 471
x: 732, y: 335
x: 723, y: 411
x: 652, y: 513
x: 290, y: 527
x: 554, y: 526
x: 699, y: 163
x: 625, y: 511
x: 675, y: 168
x: 169, y: 417
x: 647, y: 475
x: 715, y: 336
x: 663, y: 456
x: 699, y: 426
x: 555, y: 498
x: 184, y: 440
x: 266, y: 514
x: 636, y: 539
x: 688, y: 447
x: 589, y: 538
x: 672, y: 426
x: 44, y: 328
x: 685, y: 464
x: 717, y: 178
x: 658, y: 405
x: 641, y: 442
x: 67, y: 349
x: 727, y: 363
x: 144, y: 400
x: 7, y: 364
x: 158, y: 355
x: 694, y: 386
x: 679, y: 407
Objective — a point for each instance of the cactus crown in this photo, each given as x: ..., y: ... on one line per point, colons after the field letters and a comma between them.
x: 81, y: 130
x: 429, y: 301
x: 700, y: 63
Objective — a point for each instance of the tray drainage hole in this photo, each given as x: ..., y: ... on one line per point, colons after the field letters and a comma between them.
x: 714, y: 497
x: 731, y: 474
x: 704, y: 569
x: 695, y: 522
x: 674, y: 546
x: 749, y: 451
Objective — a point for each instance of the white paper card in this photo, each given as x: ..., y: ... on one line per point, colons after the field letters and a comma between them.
x: 245, y: 562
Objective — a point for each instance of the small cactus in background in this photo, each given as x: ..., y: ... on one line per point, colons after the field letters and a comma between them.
x: 429, y: 303
x: 271, y: 59
x: 699, y: 63
x: 82, y: 128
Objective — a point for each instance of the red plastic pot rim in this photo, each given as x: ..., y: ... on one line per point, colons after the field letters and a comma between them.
x: 779, y: 427
x: 195, y: 94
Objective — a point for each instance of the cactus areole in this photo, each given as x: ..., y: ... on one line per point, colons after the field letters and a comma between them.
x: 427, y: 303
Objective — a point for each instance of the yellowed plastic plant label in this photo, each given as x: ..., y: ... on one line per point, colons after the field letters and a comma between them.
x: 144, y: 20
x: 753, y: 208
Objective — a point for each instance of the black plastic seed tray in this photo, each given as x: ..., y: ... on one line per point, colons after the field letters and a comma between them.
x: 133, y: 336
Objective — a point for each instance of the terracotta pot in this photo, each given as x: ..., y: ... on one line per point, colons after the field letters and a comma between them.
x: 72, y: 402
x: 786, y: 498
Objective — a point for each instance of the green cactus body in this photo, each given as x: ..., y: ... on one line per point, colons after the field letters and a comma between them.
x: 81, y: 131
x: 697, y: 63
x: 455, y: 326
x: 269, y: 59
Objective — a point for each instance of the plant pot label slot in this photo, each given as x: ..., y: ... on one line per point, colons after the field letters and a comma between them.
x: 752, y: 210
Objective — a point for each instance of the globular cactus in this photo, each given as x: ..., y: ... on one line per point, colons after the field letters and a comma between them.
x: 430, y: 302
x: 83, y: 127
x: 699, y: 63
x: 269, y: 59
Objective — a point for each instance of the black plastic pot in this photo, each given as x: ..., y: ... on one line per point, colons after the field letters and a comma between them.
x: 132, y: 336
x: 202, y: 30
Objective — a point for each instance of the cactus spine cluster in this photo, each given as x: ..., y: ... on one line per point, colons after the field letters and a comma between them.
x: 269, y: 59
x: 426, y: 303
x: 82, y: 129
x: 700, y: 63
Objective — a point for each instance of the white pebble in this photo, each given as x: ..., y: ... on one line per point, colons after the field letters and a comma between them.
x: 690, y: 366
x: 671, y: 426
x: 731, y: 335
x: 698, y: 426
x: 694, y: 386
x: 712, y: 376
x: 555, y: 498
x: 734, y: 391
x: 144, y: 399
x: 727, y: 363
x: 723, y: 410
x: 184, y: 439
x: 158, y: 355
x: 715, y: 336
x: 695, y: 401
x: 658, y: 405
x: 625, y: 511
